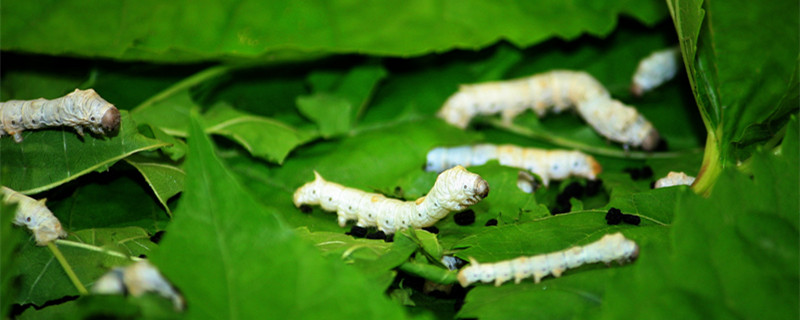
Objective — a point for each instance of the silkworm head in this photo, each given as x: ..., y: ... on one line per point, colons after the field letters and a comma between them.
x: 651, y: 141
x: 309, y: 193
x: 110, y: 120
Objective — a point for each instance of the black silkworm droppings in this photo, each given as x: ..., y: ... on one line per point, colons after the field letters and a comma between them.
x: 631, y: 219
x: 306, y: 209
x: 491, y: 222
x: 431, y: 229
x: 465, y: 218
x: 358, y: 232
x: 377, y: 235
x: 614, y: 216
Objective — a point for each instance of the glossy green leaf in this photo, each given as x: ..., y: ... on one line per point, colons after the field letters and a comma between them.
x: 330, y: 113
x: 751, y: 221
x: 355, y: 89
x: 744, y: 79
x: 287, y: 30
x: 89, y: 252
x: 164, y: 177
x: 262, y: 137
x: 576, y: 292
x: 114, y: 199
x: 375, y: 258
x: 222, y: 230
x: 49, y: 158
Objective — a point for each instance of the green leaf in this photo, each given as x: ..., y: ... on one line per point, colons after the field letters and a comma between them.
x: 262, y: 137
x: 739, y: 74
x: 49, y: 158
x: 356, y: 86
x: 90, y: 253
x: 221, y: 230
x: 331, y: 113
x: 375, y: 258
x: 115, y: 199
x: 577, y: 291
x: 751, y: 221
x: 164, y: 177
x: 288, y: 30
x: 177, y: 148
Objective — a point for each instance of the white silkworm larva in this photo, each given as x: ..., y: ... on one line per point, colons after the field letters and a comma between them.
x: 612, y: 247
x: 556, y: 90
x: 454, y: 190
x: 137, y: 279
x: 618, y: 122
x: 674, y: 179
x: 655, y: 69
x: 548, y: 164
x: 34, y: 215
x: 79, y: 109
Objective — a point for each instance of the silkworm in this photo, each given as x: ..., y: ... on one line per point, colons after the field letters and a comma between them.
x: 547, y: 164
x: 612, y: 247
x: 35, y: 216
x: 454, y: 190
x: 81, y: 109
x: 657, y: 68
x: 138, y: 279
x: 674, y: 179
x: 555, y: 91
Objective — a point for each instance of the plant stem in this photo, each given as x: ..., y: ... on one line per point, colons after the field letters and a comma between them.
x: 64, y: 264
x: 96, y: 249
x: 711, y: 167
x: 429, y: 272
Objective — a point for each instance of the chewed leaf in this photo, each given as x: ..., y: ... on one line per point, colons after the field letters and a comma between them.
x: 49, y: 158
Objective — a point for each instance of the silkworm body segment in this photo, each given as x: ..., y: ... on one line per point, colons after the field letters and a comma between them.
x: 612, y: 247
x: 548, y: 164
x: 557, y: 91
x: 81, y: 109
x: 454, y: 190
x: 138, y: 279
x: 674, y: 179
x: 35, y: 216
x: 657, y: 68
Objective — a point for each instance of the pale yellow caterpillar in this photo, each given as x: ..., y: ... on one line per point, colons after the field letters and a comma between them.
x: 557, y: 91
x: 612, y: 247
x: 548, y: 164
x: 657, y: 68
x: 674, y: 179
x: 81, y: 109
x: 34, y: 215
x: 454, y: 190
x: 138, y: 279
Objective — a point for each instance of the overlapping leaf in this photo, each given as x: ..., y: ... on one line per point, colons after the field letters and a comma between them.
x: 90, y: 253
x: 289, y: 30
x: 49, y: 158
x: 223, y: 231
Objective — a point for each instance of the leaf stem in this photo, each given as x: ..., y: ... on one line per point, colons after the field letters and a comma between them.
x: 429, y: 272
x: 96, y: 249
x: 523, y: 131
x: 67, y: 268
